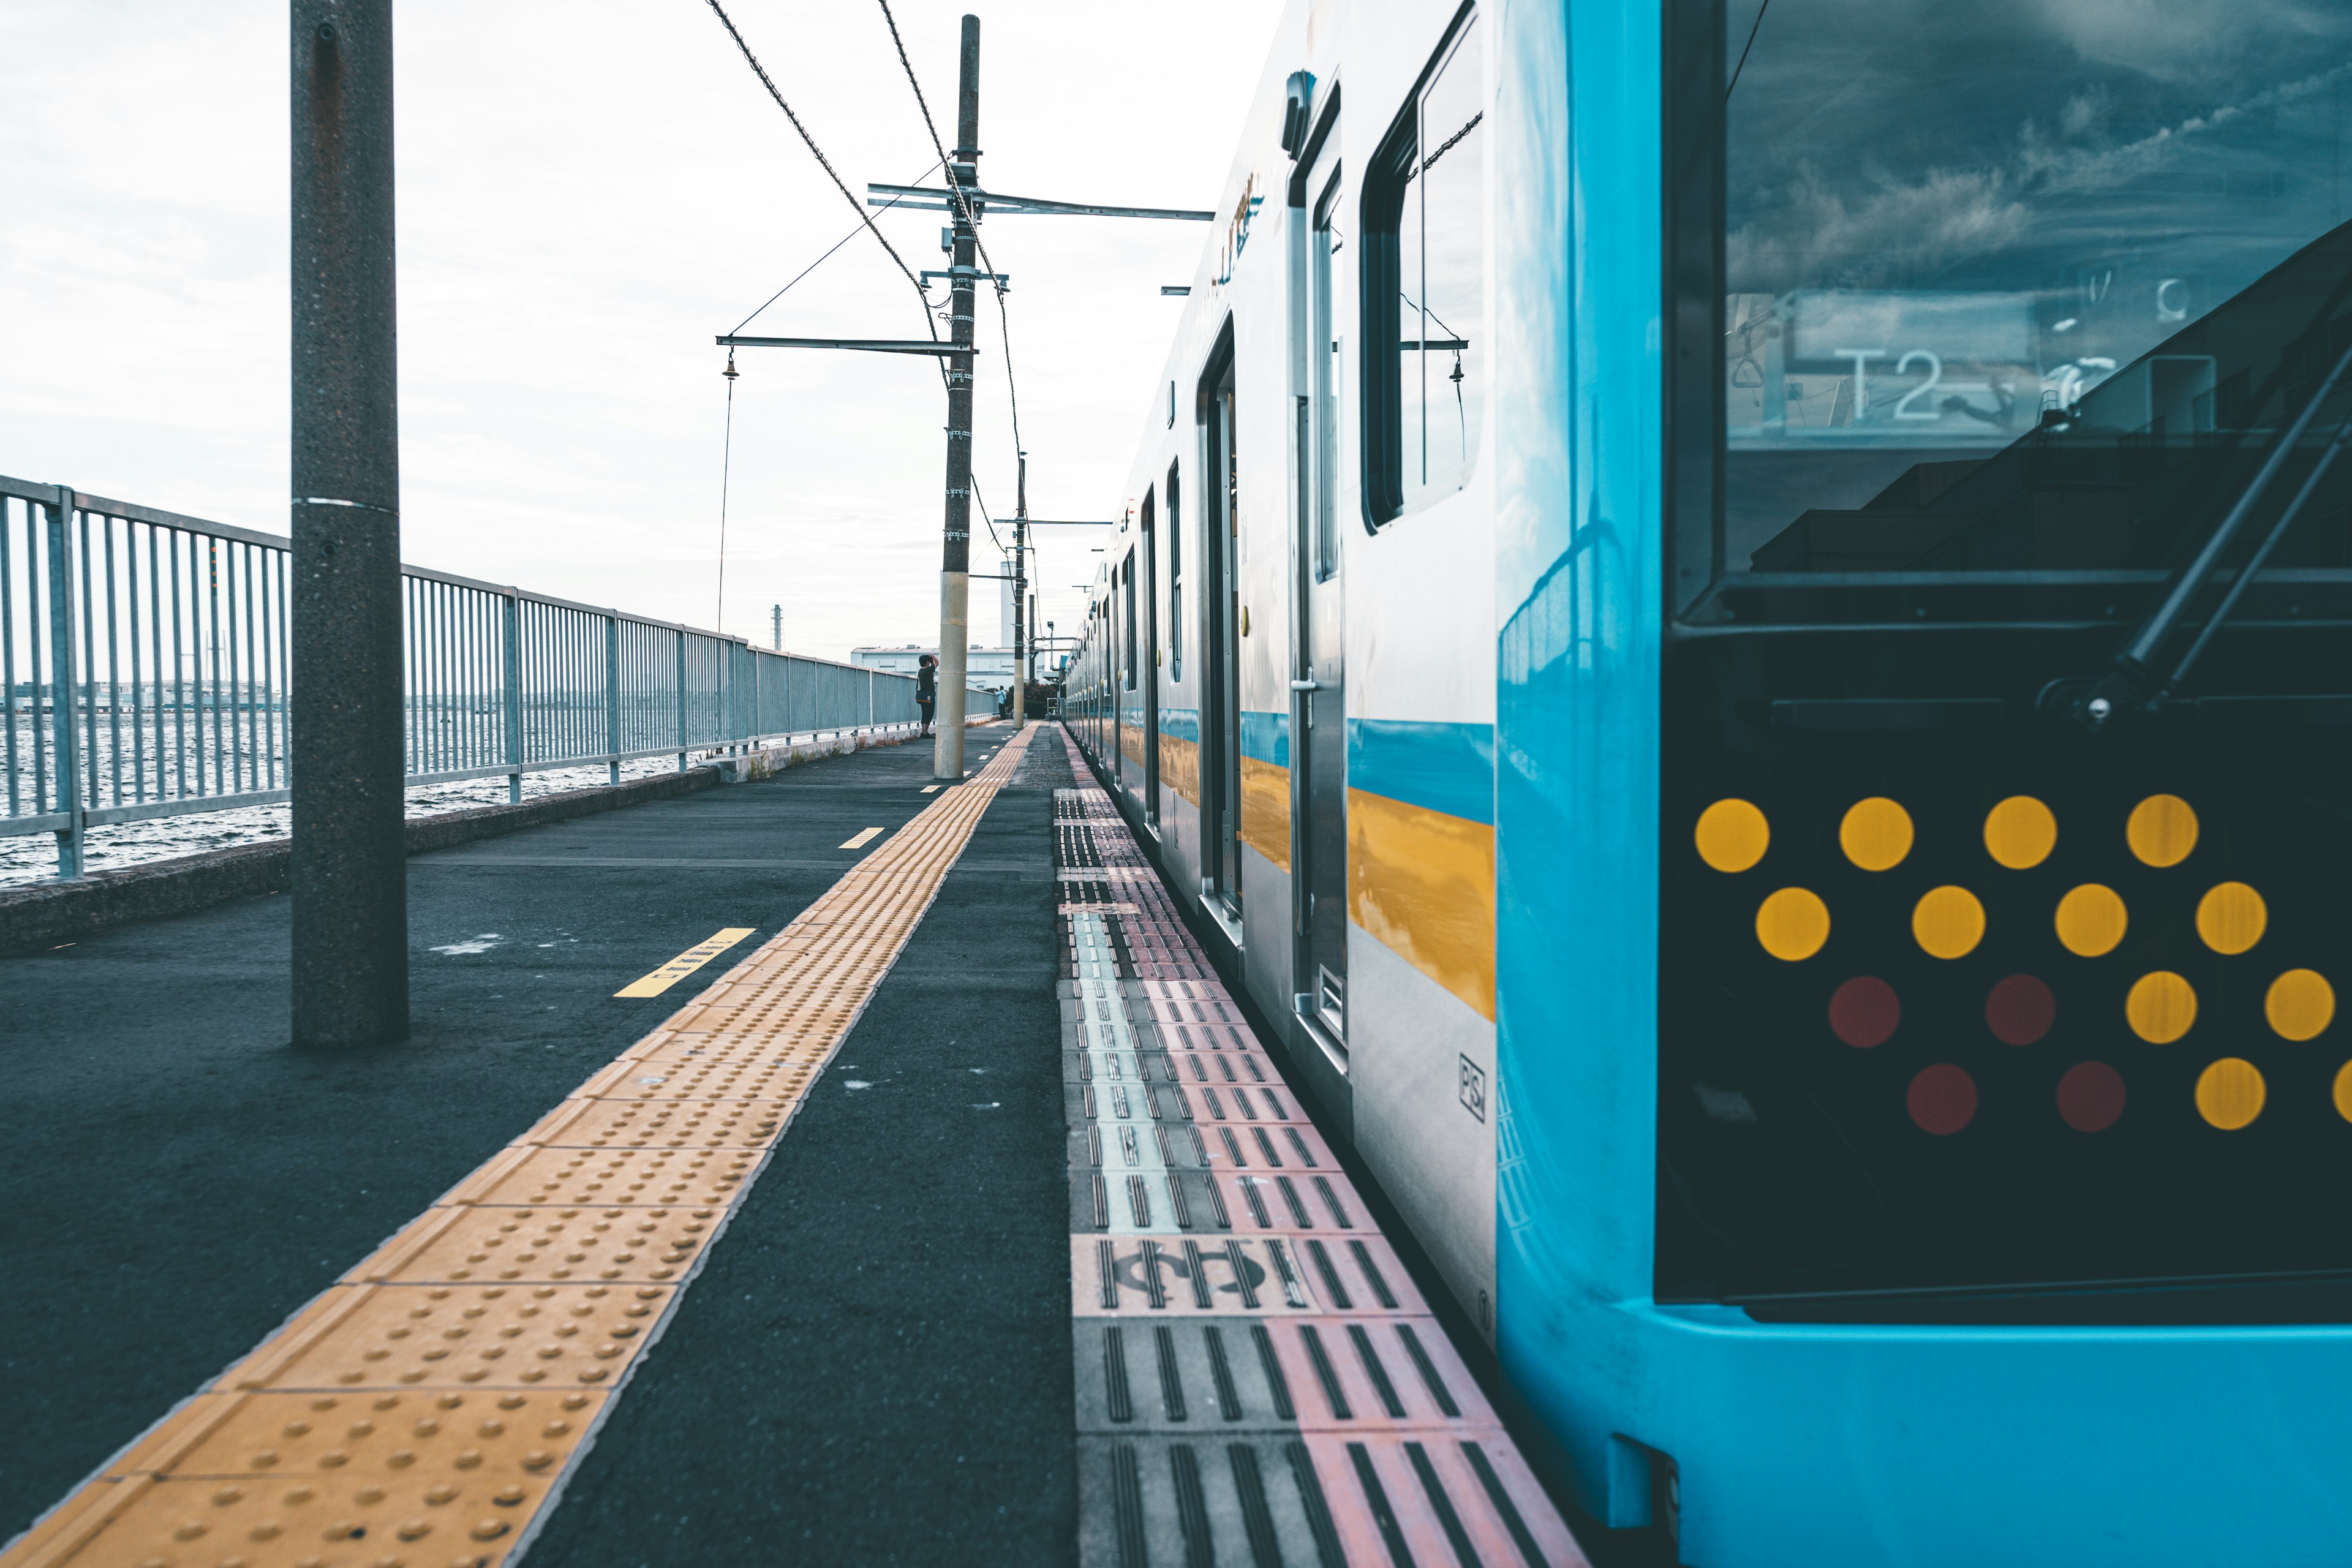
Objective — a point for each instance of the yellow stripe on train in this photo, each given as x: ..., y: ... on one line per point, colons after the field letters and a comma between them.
x: 1422, y: 883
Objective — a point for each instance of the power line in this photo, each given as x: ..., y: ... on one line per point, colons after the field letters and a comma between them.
x: 818, y: 152
x: 819, y: 261
x: 1743, y: 53
x: 964, y: 205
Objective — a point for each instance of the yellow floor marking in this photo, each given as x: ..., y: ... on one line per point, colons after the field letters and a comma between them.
x: 929, y: 788
x: 686, y: 962
x: 424, y: 1407
x: 863, y: 837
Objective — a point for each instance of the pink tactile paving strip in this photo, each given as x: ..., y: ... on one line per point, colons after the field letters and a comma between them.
x: 1258, y: 1379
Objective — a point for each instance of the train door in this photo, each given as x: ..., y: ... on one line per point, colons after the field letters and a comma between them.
x: 1319, y: 683
x: 1149, y: 610
x: 1220, y: 717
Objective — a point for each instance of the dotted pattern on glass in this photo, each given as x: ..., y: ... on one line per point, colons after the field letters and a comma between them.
x: 2231, y: 1093
x: 2300, y: 1005
x: 2020, y: 833
x: 2161, y: 830
x: 1947, y: 923
x: 1793, y: 925
x: 2092, y: 921
x: 1732, y: 835
x: 2160, y: 1007
x: 1875, y: 833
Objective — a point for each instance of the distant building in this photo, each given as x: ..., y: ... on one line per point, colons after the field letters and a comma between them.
x: 987, y: 666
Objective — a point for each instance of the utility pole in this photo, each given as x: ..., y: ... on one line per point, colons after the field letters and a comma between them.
x: 955, y: 558
x: 350, y: 878
x: 1020, y: 592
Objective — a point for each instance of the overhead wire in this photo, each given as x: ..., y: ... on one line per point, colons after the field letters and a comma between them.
x: 819, y: 261
x: 963, y: 207
x: 865, y: 217
x: 1757, y: 27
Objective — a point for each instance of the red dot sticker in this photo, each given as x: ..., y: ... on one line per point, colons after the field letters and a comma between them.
x: 2020, y: 1010
x: 2091, y: 1096
x: 1942, y: 1100
x: 1865, y: 1011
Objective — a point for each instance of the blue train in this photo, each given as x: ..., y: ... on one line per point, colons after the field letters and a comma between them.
x: 1738, y: 616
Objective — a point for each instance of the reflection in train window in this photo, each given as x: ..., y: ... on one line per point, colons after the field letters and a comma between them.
x: 1424, y: 288
x: 1175, y: 582
x: 2023, y: 287
x: 1127, y: 618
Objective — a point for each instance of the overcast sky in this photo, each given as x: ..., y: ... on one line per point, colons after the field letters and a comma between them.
x: 589, y: 190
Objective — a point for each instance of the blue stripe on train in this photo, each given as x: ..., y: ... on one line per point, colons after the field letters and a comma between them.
x: 1436, y: 766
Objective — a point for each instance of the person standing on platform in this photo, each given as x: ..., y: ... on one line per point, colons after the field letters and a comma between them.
x: 927, y: 687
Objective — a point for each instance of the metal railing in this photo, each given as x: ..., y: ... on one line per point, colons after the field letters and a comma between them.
x: 143, y: 661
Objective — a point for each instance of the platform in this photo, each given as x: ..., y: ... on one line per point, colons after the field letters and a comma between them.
x: 931, y: 1202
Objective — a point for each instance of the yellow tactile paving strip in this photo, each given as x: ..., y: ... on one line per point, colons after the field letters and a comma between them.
x: 422, y: 1411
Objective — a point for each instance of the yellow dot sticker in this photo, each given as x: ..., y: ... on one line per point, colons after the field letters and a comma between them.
x: 2231, y: 918
x: 2344, y: 1091
x: 2091, y: 920
x: 1793, y: 925
x: 1732, y: 835
x: 2230, y: 1093
x: 2161, y: 1007
x: 1949, y: 921
x: 1875, y: 833
x: 2300, y: 1005
x: 2162, y: 830
x: 2020, y: 832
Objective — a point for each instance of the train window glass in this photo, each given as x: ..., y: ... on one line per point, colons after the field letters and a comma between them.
x: 1425, y: 287
x: 1323, y: 373
x: 2034, y: 290
x: 1175, y: 582
x: 1128, y: 616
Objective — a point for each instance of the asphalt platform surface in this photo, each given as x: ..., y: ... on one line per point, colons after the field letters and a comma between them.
x: 875, y: 1365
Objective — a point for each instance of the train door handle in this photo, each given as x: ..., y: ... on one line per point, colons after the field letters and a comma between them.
x: 1306, y: 686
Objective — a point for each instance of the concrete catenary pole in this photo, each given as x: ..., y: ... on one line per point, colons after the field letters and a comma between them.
x: 349, y: 875
x: 955, y: 561
x: 1020, y: 593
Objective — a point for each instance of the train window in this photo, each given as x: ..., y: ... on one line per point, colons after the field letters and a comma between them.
x: 2038, y: 294
x: 1425, y: 287
x: 1127, y: 616
x: 1323, y: 384
x: 1987, y: 323
x: 1175, y: 582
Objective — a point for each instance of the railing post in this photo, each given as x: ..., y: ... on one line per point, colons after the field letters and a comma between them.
x: 65, y: 743
x: 681, y: 702
x: 514, y: 696
x: 613, y: 698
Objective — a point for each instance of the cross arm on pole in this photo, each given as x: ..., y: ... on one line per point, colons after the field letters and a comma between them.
x: 869, y: 346
x: 999, y: 203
